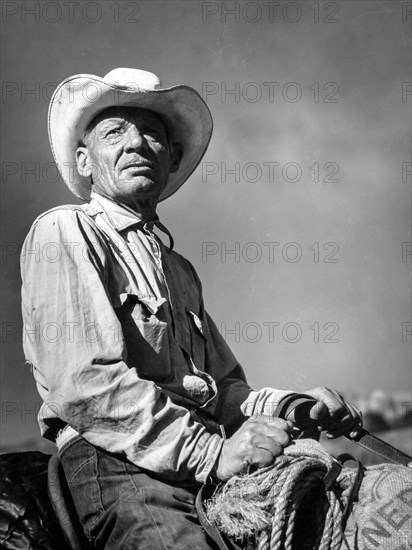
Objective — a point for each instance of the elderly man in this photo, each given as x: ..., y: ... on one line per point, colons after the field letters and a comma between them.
x: 140, y: 392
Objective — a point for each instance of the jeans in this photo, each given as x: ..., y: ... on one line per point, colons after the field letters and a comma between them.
x: 121, y: 507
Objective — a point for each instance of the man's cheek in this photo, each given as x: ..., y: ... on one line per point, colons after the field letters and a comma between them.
x: 106, y: 174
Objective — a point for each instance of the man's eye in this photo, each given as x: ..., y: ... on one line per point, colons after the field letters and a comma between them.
x: 113, y: 132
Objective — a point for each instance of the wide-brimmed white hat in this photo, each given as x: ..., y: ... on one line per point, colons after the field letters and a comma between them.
x: 79, y: 98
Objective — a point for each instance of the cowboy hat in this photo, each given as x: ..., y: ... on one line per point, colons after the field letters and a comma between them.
x: 78, y: 99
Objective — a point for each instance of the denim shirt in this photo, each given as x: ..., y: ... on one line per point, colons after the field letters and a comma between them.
x: 121, y: 347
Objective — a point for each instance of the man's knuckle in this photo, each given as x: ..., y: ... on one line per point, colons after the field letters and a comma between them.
x: 284, y: 439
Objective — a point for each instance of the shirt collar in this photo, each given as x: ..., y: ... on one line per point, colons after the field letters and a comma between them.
x: 122, y: 217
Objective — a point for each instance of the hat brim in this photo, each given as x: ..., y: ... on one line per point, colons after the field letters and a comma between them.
x: 78, y: 99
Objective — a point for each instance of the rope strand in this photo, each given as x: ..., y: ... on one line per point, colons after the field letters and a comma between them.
x: 285, y: 506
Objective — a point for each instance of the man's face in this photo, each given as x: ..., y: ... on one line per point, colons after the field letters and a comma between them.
x: 128, y: 155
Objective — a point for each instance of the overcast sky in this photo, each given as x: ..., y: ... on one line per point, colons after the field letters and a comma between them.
x: 307, y: 178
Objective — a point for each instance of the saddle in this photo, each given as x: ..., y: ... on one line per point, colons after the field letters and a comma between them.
x: 36, y: 508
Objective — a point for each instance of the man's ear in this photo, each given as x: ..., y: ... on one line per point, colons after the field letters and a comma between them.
x: 175, y: 157
x: 83, y: 161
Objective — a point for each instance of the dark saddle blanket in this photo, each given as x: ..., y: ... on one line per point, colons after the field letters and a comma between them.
x: 27, y: 518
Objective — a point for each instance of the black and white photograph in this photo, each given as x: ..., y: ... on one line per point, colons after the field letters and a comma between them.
x: 206, y: 275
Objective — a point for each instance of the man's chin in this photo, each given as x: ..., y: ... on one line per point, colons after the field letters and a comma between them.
x: 141, y: 186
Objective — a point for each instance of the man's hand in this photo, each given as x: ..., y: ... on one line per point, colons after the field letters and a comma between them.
x: 331, y: 413
x: 256, y: 443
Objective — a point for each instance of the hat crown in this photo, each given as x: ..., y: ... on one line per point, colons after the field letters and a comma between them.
x: 137, y: 79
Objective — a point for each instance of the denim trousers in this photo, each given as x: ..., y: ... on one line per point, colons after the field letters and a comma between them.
x: 122, y: 507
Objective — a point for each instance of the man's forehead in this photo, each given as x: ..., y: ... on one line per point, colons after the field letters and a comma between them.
x: 128, y: 114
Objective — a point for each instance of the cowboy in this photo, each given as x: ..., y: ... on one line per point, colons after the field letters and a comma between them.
x: 141, y: 394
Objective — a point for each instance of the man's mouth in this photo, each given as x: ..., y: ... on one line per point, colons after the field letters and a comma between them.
x: 138, y: 165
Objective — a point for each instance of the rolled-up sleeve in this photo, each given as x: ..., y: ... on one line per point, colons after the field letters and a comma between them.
x: 73, y: 339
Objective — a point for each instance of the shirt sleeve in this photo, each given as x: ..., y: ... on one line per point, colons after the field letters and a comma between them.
x: 73, y: 339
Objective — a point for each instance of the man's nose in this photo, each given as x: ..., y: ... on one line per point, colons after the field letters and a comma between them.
x: 134, y: 139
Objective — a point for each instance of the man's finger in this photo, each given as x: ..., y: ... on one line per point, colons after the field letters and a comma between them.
x: 275, y: 448
x: 272, y: 434
x: 356, y: 430
x: 318, y: 411
x: 271, y: 422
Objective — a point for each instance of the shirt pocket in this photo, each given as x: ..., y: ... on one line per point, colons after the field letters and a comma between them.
x: 197, y: 339
x: 146, y: 336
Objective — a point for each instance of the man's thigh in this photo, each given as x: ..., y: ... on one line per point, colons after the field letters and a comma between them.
x: 120, y: 507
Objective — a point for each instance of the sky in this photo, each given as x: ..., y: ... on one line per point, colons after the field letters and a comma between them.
x: 298, y: 218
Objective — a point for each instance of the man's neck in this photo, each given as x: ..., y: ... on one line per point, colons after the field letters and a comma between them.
x: 144, y: 209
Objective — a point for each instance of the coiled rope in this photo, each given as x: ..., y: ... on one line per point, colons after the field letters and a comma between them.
x: 294, y: 504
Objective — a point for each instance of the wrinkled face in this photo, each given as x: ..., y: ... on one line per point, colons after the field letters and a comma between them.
x: 127, y: 153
